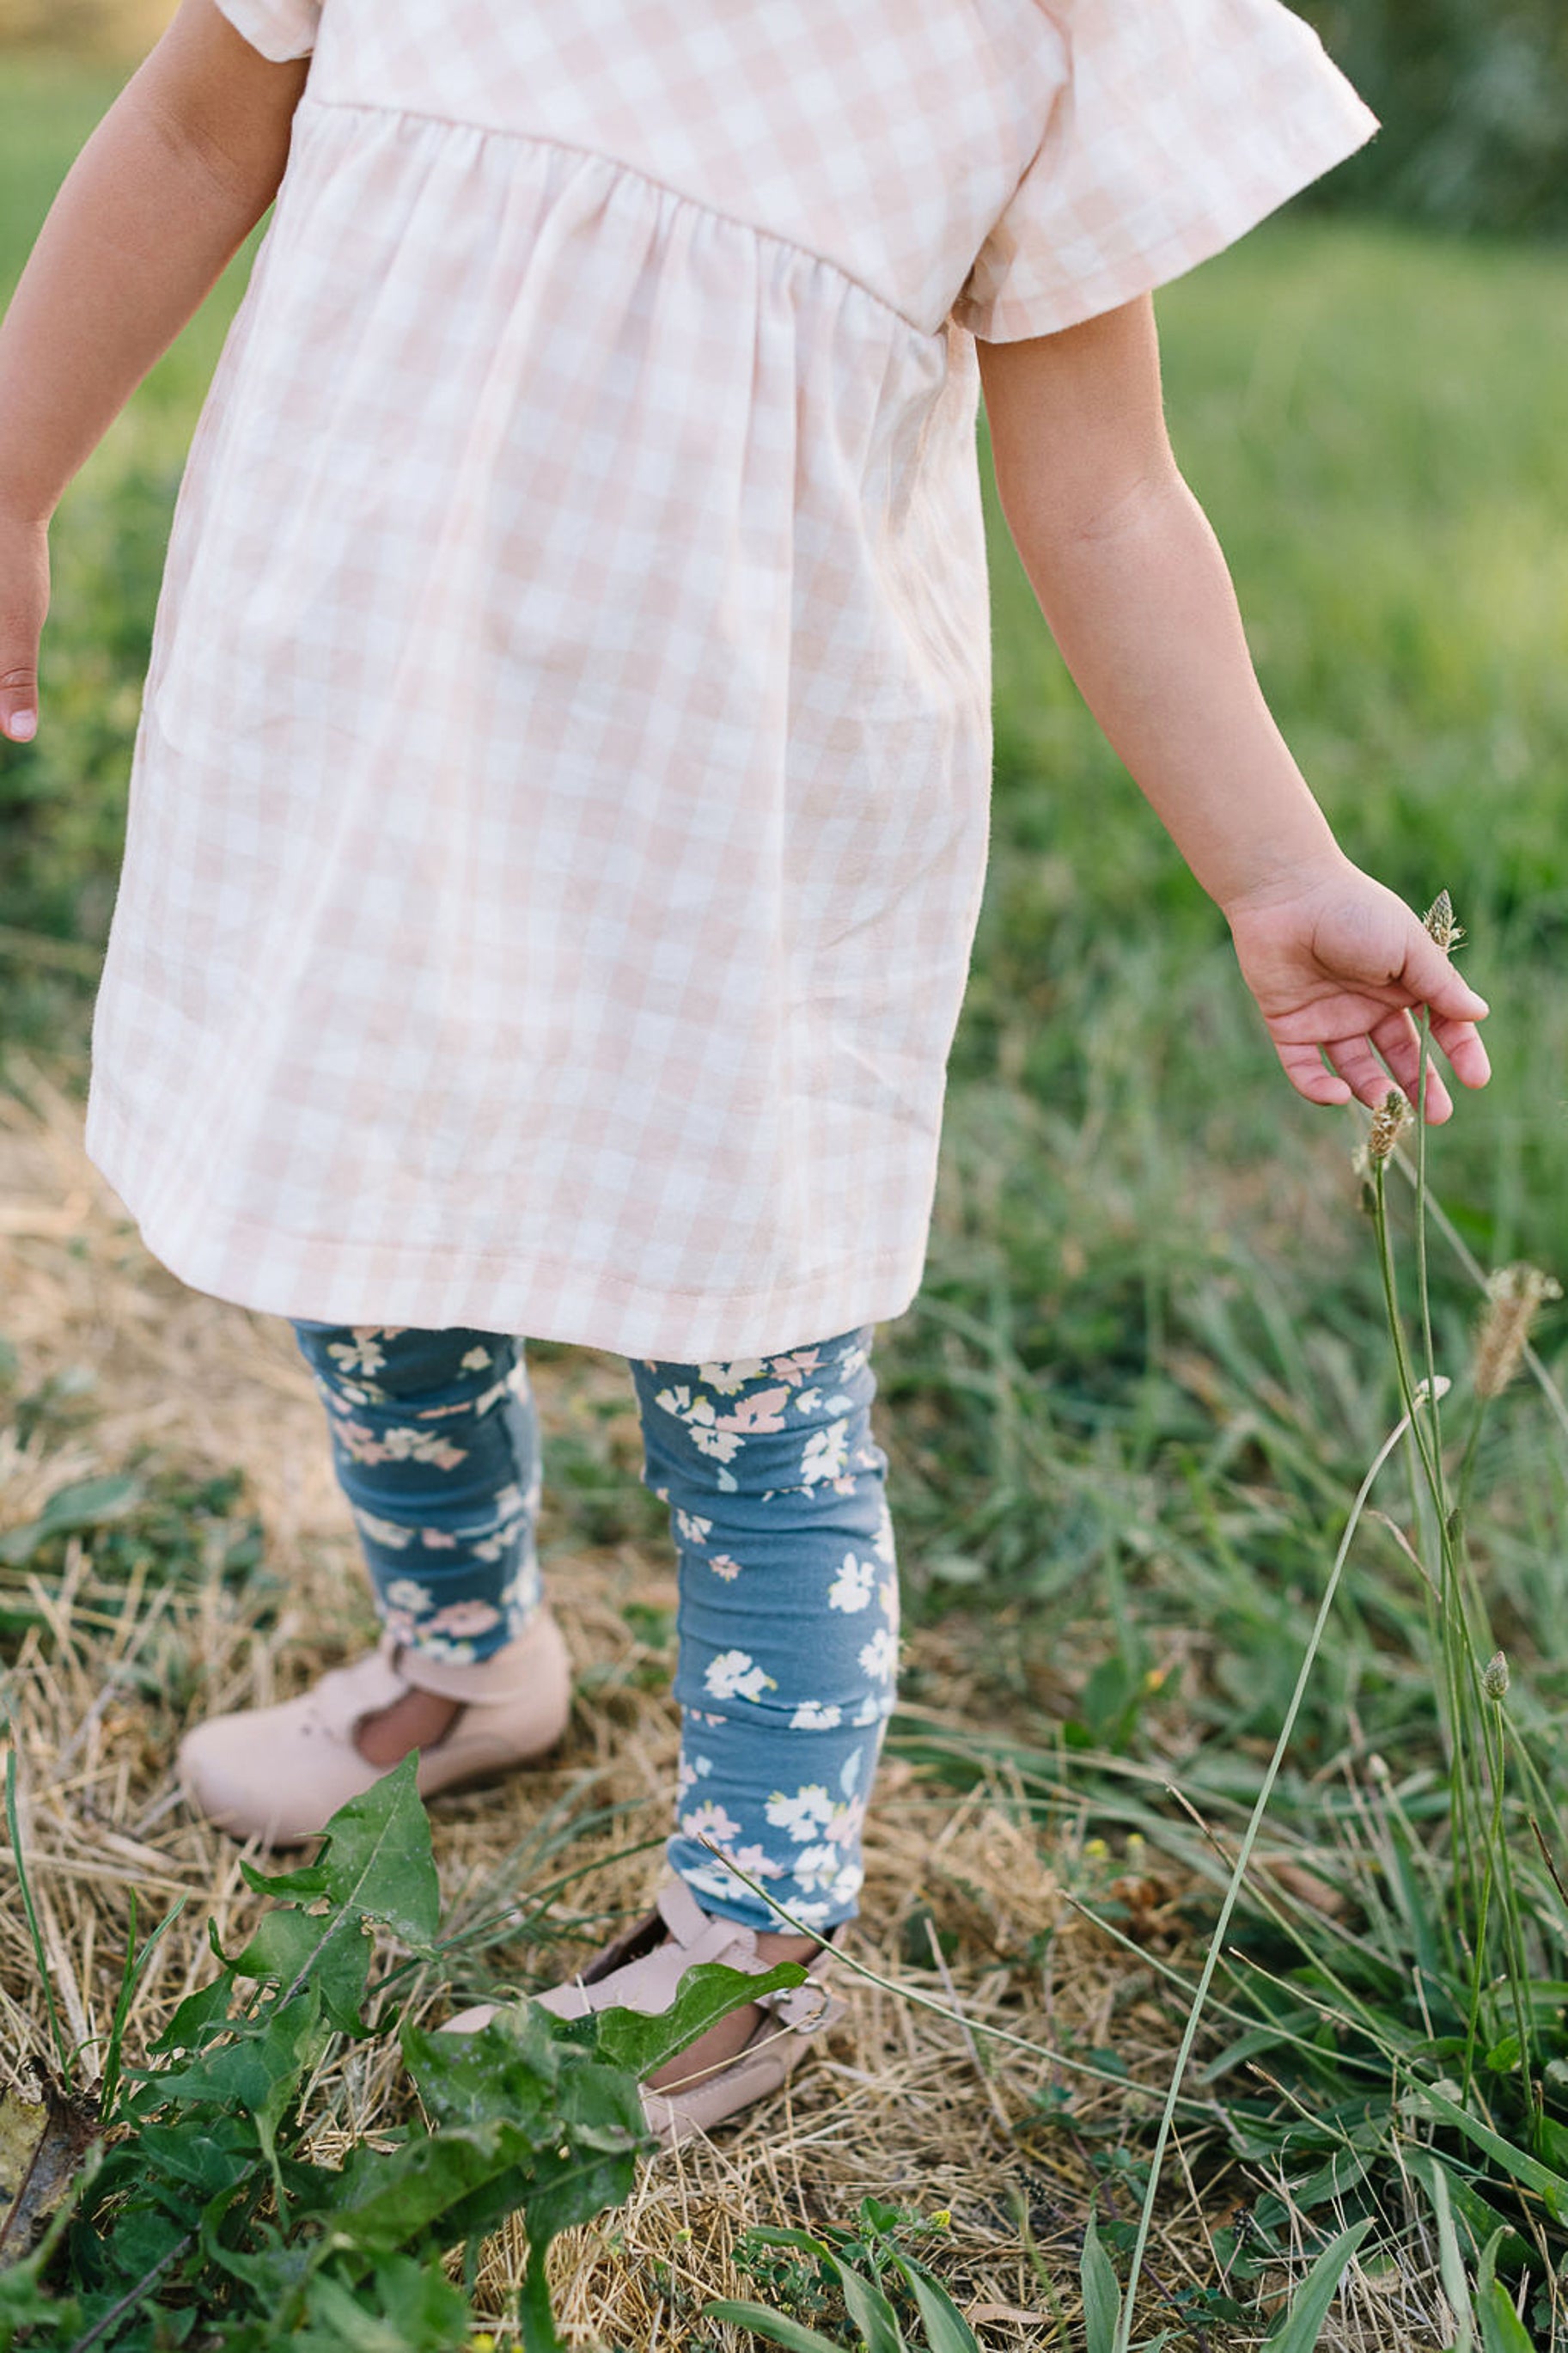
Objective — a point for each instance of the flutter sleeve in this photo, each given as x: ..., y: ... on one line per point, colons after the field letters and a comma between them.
x: 278, y: 29
x: 1180, y: 124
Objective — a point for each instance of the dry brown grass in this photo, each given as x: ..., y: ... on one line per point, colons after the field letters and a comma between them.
x: 901, y: 2104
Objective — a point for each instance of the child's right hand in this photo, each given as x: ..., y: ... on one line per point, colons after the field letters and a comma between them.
x: 1338, y: 963
x: 24, y: 601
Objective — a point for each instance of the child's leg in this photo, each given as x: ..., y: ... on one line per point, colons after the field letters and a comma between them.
x: 436, y: 1443
x: 788, y: 1620
x: 436, y: 1450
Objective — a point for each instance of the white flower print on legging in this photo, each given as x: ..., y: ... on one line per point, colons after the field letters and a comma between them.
x: 789, y: 1607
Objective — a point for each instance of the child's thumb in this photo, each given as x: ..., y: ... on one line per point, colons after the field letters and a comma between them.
x: 1433, y: 980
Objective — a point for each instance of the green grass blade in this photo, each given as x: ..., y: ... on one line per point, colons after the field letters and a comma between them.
x: 775, y: 2328
x: 1452, y: 2267
x: 1552, y: 2186
x: 1502, y: 2331
x: 1303, y: 2324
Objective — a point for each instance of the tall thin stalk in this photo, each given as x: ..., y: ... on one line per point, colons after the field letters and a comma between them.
x: 1238, y: 1873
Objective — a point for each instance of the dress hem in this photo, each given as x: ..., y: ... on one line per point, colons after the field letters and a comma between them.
x: 443, y: 1289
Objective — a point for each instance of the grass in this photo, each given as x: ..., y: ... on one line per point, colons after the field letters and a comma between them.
x: 1129, y: 1414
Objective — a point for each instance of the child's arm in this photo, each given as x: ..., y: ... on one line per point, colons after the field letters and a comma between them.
x: 169, y: 186
x: 1136, y: 591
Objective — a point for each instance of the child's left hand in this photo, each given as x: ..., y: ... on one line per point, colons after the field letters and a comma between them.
x: 1336, y: 962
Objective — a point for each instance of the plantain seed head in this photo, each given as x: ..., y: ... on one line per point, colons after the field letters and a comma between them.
x: 1516, y: 1294
x: 1389, y: 1122
x: 1440, y: 920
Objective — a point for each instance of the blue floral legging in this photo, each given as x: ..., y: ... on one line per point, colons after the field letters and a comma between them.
x: 788, y: 1611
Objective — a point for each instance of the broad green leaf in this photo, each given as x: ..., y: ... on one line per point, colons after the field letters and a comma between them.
x: 405, y: 2307
x: 947, y: 2331
x: 377, y: 1862
x: 641, y: 2041
x: 868, y: 2308
x: 256, y: 2071
x: 293, y: 1949
x: 193, y: 2024
x: 390, y: 2196
x: 1101, y: 2296
x: 505, y: 2073
x: 773, y: 2234
x: 209, y: 2161
x: 85, y: 1504
x: 1344, y: 2170
x: 773, y: 2326
x: 1298, y: 2329
x: 593, y: 2164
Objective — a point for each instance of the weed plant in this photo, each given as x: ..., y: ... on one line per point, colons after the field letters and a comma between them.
x: 200, y: 2207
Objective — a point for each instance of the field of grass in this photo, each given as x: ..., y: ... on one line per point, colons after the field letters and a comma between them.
x: 1128, y: 1417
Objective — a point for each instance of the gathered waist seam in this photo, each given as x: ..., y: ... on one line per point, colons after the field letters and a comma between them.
x: 309, y: 104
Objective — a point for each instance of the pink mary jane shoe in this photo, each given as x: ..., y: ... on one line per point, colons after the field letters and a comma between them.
x: 279, y: 1774
x: 642, y: 1971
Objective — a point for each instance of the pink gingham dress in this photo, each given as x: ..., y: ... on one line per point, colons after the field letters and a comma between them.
x: 559, y: 811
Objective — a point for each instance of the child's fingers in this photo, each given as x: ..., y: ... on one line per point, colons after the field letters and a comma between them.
x: 1310, y: 1077
x: 1463, y: 1044
x: 24, y: 601
x: 1400, y: 1064
x: 18, y: 693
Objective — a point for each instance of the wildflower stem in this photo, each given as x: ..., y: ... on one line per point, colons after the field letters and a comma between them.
x: 1243, y: 1856
x: 1423, y: 1291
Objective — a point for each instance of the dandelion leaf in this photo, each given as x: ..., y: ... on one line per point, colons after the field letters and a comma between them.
x: 330, y: 1951
x: 198, y: 2018
x: 504, y: 2074
x: 375, y: 1863
x: 593, y: 2163
x: 415, y: 2309
x: 641, y: 2042
x: 388, y: 2199
x: 85, y: 1504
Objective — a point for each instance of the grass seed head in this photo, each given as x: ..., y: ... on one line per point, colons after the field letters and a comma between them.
x: 1494, y: 1677
x: 1517, y: 1295
x: 1389, y: 1122
x: 1440, y: 920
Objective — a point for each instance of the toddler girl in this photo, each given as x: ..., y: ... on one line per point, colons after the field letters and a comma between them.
x: 559, y: 810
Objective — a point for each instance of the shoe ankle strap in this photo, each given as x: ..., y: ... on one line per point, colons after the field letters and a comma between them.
x: 804, y: 2008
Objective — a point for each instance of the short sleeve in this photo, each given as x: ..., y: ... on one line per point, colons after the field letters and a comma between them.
x: 278, y: 29
x: 1182, y: 123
